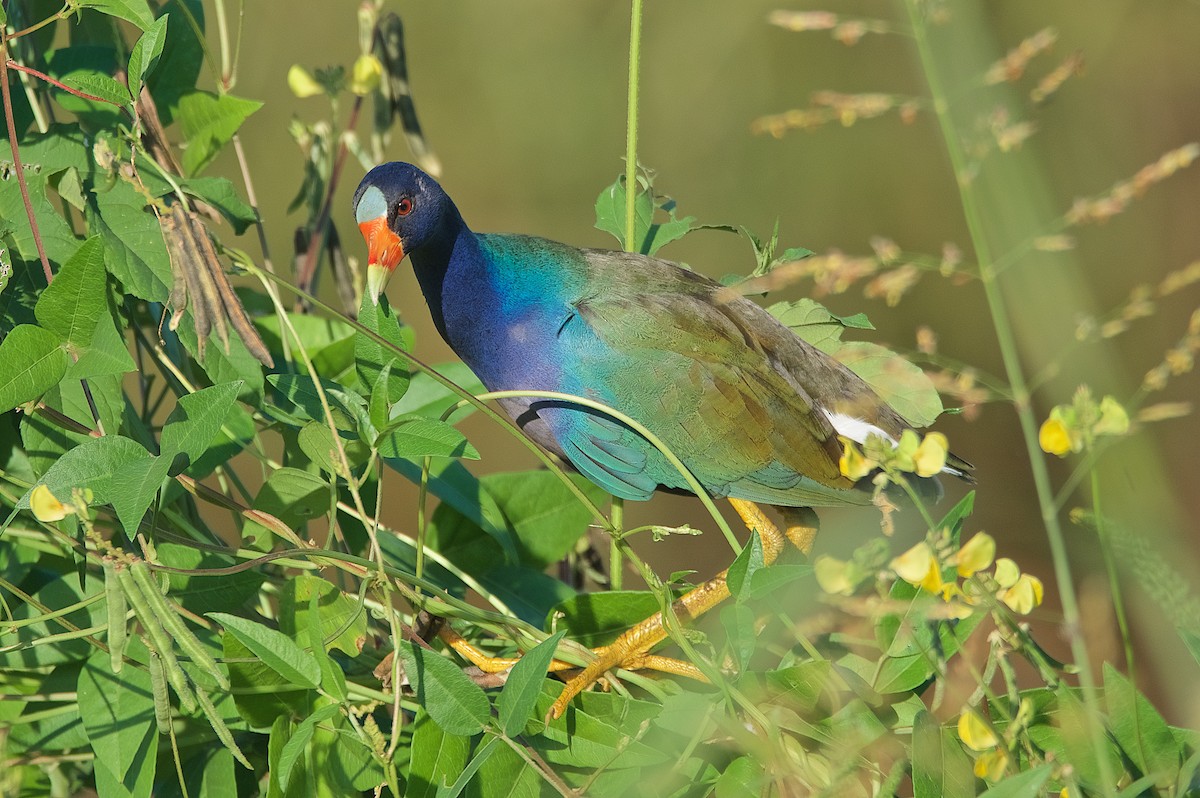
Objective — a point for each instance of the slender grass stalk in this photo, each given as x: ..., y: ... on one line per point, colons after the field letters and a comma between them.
x: 1011, y: 357
x: 631, y: 126
x: 616, y: 568
x: 616, y: 562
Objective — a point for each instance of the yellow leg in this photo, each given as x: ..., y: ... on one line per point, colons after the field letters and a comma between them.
x: 630, y: 649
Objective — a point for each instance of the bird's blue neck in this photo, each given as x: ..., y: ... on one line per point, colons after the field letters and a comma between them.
x: 497, y: 300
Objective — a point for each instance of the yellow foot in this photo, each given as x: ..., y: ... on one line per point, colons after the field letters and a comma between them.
x: 631, y: 651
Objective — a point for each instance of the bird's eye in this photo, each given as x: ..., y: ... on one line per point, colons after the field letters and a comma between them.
x: 404, y: 206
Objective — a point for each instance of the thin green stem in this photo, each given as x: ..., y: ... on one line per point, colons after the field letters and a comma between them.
x: 1010, y: 355
x: 1114, y: 579
x: 631, y: 126
x: 693, y: 484
x: 616, y: 560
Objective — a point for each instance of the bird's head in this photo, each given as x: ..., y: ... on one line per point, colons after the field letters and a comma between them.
x: 398, y: 209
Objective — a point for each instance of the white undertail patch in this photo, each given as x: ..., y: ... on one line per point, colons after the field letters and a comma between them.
x: 858, y: 431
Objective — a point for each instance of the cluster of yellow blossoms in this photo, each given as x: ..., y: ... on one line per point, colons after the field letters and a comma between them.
x: 1071, y: 428
x: 925, y: 457
x: 925, y: 566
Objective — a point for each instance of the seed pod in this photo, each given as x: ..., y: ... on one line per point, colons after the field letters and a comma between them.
x: 187, y: 640
x: 223, y: 732
x: 158, y: 636
x: 114, y: 599
x: 162, y: 701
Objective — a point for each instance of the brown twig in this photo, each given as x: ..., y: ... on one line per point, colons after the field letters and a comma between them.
x: 16, y: 156
x: 11, y: 64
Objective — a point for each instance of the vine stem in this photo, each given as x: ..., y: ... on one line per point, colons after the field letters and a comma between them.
x: 631, y: 126
x: 1011, y: 357
x: 616, y: 555
x: 11, y: 126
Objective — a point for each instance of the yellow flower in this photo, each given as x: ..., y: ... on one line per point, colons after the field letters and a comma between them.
x: 930, y: 457
x: 302, y: 83
x: 833, y: 575
x: 919, y: 567
x: 1053, y: 437
x: 45, y: 506
x: 853, y: 464
x: 977, y: 735
x: 991, y: 766
x: 975, y: 555
x: 366, y: 75
x: 1023, y: 596
x: 1007, y: 572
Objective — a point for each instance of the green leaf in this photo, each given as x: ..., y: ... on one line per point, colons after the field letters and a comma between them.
x: 543, y: 514
x: 278, y: 651
x: 1073, y: 723
x: 65, y: 591
x: 345, y: 406
x: 743, y: 778
x: 1141, y: 732
x: 339, y: 617
x: 428, y: 397
x: 610, y: 212
x: 370, y: 356
x: 595, y: 619
x: 813, y: 322
x: 146, y: 53
x: 118, y: 713
x: 898, y: 382
x: 133, y: 488
x: 507, y: 774
x: 316, y: 440
x: 597, y: 730
x: 524, y: 685
x: 748, y: 562
x: 333, y: 681
x: 649, y: 236
x: 135, y: 11
x: 220, y: 193
x: 738, y: 620
x: 197, y: 420
x: 940, y: 767
x: 96, y: 84
x: 483, y: 753
x: 293, y: 496
x: 31, y: 362
x: 1029, y: 784
x: 201, y: 592
x: 765, y: 581
x: 379, y: 405
x: 91, y: 465
x: 108, y: 354
x: 182, y: 58
x: 454, y: 702
x: 133, y: 242
x: 452, y: 483
x: 436, y: 758
x: 415, y: 436
x: 297, y: 745
x: 208, y: 122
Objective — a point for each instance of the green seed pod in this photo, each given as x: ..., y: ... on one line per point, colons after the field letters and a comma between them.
x: 162, y: 701
x: 184, y: 637
x: 114, y: 599
x: 158, y: 637
x: 218, y: 726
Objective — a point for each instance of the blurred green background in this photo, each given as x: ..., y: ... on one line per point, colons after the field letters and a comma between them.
x: 525, y: 105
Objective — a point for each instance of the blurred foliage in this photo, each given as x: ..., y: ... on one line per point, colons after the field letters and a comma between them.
x: 225, y: 491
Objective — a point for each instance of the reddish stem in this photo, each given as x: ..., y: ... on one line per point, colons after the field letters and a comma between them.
x: 43, y: 76
x: 16, y: 156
